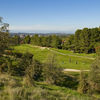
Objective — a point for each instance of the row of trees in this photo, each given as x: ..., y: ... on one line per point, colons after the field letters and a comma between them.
x: 48, y: 41
x: 84, y: 40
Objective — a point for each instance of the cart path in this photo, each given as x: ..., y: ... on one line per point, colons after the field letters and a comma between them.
x: 73, y: 70
x: 70, y: 54
x: 60, y: 53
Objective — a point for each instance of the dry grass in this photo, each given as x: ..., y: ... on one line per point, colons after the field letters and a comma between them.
x: 7, y: 80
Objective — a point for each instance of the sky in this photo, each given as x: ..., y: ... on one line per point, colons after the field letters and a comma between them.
x: 50, y: 16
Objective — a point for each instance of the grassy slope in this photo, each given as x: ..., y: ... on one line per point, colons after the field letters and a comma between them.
x: 63, y: 60
x: 14, y: 89
x: 92, y: 55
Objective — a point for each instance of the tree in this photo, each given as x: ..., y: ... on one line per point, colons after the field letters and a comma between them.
x: 33, y: 72
x: 70, y: 43
x: 4, y: 36
x: 29, y: 76
x: 83, y: 85
x: 23, y: 63
x: 77, y: 40
x: 15, y: 40
x: 35, y: 40
x: 97, y: 49
x: 37, y: 69
x: 48, y: 41
x: 94, y: 76
x: 51, y: 71
x: 4, y: 41
x: 3, y: 26
x: 45, y: 41
x: 56, y: 42
x: 42, y: 41
x: 27, y: 39
x: 85, y: 40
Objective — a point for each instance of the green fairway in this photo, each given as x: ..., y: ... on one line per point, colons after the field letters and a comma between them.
x: 92, y: 55
x: 79, y: 61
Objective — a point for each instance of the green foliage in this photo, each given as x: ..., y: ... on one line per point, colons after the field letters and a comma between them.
x: 17, y: 54
x: 70, y: 43
x: 83, y: 85
x: 48, y: 41
x: 3, y: 26
x: 94, y: 76
x: 6, y: 65
x: 41, y: 92
x: 84, y: 40
x: 27, y: 39
x: 98, y: 50
x: 15, y: 40
x: 4, y: 36
x: 33, y: 72
x: 4, y: 41
x: 56, y: 42
x: 45, y: 41
x: 40, y: 54
x: 52, y: 72
x: 22, y: 64
x: 30, y: 70
x: 38, y: 68
x: 35, y: 40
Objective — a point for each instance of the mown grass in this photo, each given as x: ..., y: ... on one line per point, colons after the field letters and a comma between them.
x: 91, y: 55
x: 66, y: 61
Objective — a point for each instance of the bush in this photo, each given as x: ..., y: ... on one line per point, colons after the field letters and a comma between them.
x: 52, y: 72
x: 19, y: 55
x: 8, y: 52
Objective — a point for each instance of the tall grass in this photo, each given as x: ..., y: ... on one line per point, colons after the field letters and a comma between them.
x: 14, y: 90
x: 40, y: 94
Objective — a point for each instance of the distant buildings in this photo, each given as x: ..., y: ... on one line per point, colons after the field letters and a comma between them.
x: 22, y: 35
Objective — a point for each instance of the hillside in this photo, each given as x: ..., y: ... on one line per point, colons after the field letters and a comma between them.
x: 14, y: 88
x: 66, y: 59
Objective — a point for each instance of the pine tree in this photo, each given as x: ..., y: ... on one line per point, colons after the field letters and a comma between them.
x: 77, y: 40
x: 27, y: 39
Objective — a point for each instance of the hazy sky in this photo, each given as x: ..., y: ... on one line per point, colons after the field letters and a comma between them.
x: 50, y: 15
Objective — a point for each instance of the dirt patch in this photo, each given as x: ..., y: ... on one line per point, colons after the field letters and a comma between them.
x: 37, y: 46
x: 42, y: 47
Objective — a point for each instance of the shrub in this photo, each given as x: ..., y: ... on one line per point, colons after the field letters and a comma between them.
x: 52, y: 72
x: 19, y: 55
x: 83, y: 85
